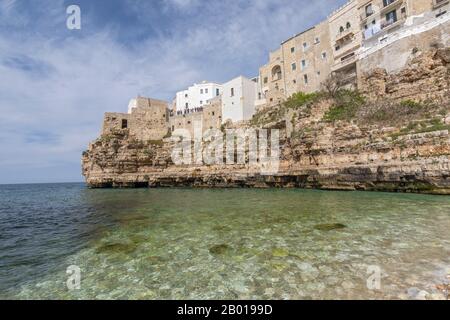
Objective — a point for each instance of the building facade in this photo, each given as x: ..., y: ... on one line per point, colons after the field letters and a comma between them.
x: 238, y: 99
x: 147, y: 119
x: 306, y: 59
x: 205, y: 118
x: 346, y: 39
x: 379, y: 18
x: 334, y: 46
x: 197, y: 95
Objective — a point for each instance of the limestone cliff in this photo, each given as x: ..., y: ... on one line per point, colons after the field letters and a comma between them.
x: 393, y: 137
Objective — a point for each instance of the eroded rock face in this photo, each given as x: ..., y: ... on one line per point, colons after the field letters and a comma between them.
x: 425, y: 78
x: 344, y: 158
x: 332, y: 156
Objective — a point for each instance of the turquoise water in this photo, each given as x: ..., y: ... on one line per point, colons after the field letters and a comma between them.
x: 219, y: 244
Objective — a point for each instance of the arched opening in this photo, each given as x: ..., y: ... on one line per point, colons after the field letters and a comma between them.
x: 341, y: 29
x: 276, y: 73
x: 348, y: 25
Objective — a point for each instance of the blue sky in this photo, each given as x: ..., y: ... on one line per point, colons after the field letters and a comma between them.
x: 55, y: 83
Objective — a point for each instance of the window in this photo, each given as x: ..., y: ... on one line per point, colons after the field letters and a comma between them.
x: 318, y: 73
x: 388, y: 2
x: 305, y: 46
x: 186, y: 95
x: 337, y: 47
x: 348, y: 25
x: 304, y: 64
x: 369, y: 10
x: 173, y: 128
x: 259, y: 95
x: 189, y: 122
x: 232, y: 92
x: 294, y: 81
x: 292, y: 50
x: 324, y: 55
x: 341, y: 29
x: 294, y: 67
x: 201, y: 91
x: 276, y: 73
x: 206, y: 90
x: 201, y: 102
x: 266, y: 80
x: 217, y: 92
x: 213, y: 113
x: 317, y: 41
x: 124, y: 123
x: 305, y: 77
x: 187, y: 105
x: 391, y: 17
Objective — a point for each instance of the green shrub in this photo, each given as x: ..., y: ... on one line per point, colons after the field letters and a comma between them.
x: 300, y: 99
x: 411, y: 104
x: 345, y: 107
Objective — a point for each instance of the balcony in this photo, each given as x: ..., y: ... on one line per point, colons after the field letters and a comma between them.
x: 344, y: 36
x: 366, y: 15
x: 344, y: 62
x: 391, y: 6
x: 389, y: 24
x: 439, y: 3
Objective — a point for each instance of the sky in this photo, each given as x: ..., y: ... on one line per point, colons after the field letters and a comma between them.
x: 56, y: 83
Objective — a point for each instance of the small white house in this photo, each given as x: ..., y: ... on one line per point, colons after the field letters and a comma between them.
x: 197, y: 95
x: 238, y: 99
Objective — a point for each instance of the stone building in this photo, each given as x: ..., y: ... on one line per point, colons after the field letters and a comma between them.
x: 271, y: 77
x: 336, y: 45
x: 346, y: 39
x: 380, y: 18
x: 147, y: 119
x: 204, y: 118
x: 307, y: 58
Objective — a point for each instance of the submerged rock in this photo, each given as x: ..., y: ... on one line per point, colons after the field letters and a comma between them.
x: 116, y: 247
x: 329, y: 227
x: 156, y: 260
x: 280, y: 253
x: 222, y: 228
x: 279, y: 266
x: 219, y: 249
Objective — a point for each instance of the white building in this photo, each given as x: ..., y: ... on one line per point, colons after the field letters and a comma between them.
x: 238, y: 99
x: 197, y: 95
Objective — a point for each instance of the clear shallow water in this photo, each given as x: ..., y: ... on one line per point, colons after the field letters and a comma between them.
x: 219, y: 244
